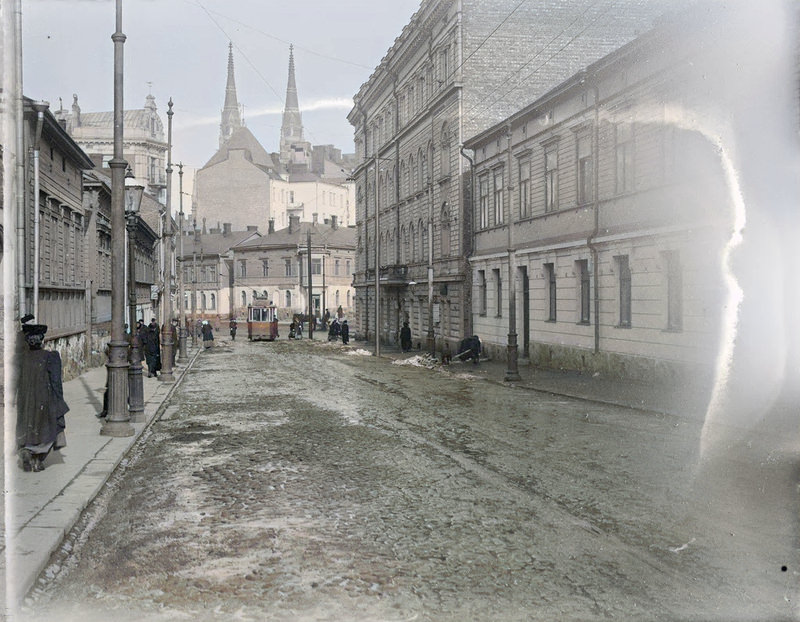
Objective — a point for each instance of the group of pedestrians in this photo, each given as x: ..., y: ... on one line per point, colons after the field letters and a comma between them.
x: 337, y: 330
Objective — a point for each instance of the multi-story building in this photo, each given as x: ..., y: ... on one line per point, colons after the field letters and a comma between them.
x: 457, y: 68
x: 246, y: 186
x: 603, y: 209
x: 207, y: 264
x: 275, y: 267
x: 144, y: 143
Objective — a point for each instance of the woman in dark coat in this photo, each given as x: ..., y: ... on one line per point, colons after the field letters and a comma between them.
x: 345, y: 333
x: 208, y: 334
x: 152, y: 348
x: 405, y: 337
x: 40, y: 401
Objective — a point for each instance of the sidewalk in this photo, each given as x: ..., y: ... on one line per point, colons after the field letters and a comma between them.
x: 685, y: 401
x: 42, y: 507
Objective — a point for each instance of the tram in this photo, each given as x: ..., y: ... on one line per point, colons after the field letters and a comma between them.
x: 262, y: 320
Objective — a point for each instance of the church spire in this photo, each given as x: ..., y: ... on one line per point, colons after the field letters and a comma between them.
x: 231, y: 117
x: 292, y: 126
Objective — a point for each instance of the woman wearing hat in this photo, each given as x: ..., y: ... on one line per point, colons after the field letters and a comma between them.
x: 40, y: 400
x: 208, y: 334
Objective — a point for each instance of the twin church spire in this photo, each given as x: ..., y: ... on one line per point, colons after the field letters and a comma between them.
x: 292, y: 125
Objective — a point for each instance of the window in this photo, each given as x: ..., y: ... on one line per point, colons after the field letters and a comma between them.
x: 265, y: 267
x: 623, y: 154
x: 498, y: 292
x: 582, y: 270
x: 347, y: 266
x: 585, y: 170
x: 316, y: 266
x: 336, y: 263
x: 337, y: 298
x: 551, y: 180
x: 444, y: 65
x: 445, y: 232
x: 550, y: 275
x: 482, y: 292
x: 243, y: 268
x: 213, y: 301
x: 287, y: 264
x: 483, y: 192
x: 624, y: 271
x: 524, y: 187
x: 244, y: 299
x: 203, y: 301
x: 288, y: 299
x: 444, y: 158
x: 674, y: 290
x: 498, y: 197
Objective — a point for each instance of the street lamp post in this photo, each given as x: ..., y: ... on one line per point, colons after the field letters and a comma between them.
x: 117, y: 422
x: 182, y: 356
x: 133, y: 200
x: 512, y: 371
x: 167, y: 343
x: 194, y: 284
x: 377, y: 264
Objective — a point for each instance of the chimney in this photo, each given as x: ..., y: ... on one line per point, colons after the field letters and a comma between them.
x: 334, y: 222
x: 76, y: 112
x: 294, y: 224
x: 315, y: 218
x: 271, y: 227
x: 252, y: 228
x: 226, y: 228
x: 204, y: 226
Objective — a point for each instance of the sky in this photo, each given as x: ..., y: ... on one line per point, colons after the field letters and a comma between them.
x: 179, y: 49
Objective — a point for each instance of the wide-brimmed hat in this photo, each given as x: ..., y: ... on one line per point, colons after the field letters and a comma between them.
x: 34, y: 329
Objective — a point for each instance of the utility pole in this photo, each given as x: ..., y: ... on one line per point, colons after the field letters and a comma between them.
x: 311, y: 317
x: 117, y: 422
x: 167, y: 345
x: 182, y: 356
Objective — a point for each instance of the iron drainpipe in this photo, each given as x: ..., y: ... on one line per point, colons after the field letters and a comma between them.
x: 596, y: 200
x: 468, y: 213
x: 40, y: 108
x: 20, y: 156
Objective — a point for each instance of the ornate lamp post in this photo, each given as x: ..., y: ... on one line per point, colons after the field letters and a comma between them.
x: 133, y: 200
x: 182, y: 356
x: 167, y: 343
x: 117, y: 423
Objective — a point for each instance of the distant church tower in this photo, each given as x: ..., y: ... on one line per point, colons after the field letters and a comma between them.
x: 294, y: 150
x: 231, y: 117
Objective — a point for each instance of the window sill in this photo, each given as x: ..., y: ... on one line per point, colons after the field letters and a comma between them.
x: 583, y: 323
x: 623, y: 326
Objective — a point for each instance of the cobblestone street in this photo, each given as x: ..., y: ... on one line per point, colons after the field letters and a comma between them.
x: 307, y: 481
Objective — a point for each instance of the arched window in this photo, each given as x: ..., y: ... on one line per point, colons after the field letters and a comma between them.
x: 423, y: 241
x: 413, y: 243
x: 403, y: 245
x: 337, y: 298
x: 410, y: 176
x: 423, y: 169
x: 244, y: 298
x: 288, y: 299
x: 445, y: 231
x: 403, y: 178
x: 348, y: 299
x: 213, y: 301
x: 203, y: 300
x: 444, y: 154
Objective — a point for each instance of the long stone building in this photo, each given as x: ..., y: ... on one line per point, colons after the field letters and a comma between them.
x: 456, y: 68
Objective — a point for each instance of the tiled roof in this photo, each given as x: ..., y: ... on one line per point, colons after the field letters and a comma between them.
x: 242, y: 138
x: 216, y: 243
x: 341, y: 237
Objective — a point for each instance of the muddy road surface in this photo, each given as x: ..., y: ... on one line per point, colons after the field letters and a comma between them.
x: 306, y: 481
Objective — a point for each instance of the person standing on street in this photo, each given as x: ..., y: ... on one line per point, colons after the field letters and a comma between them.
x: 208, y: 335
x: 152, y: 348
x: 405, y: 337
x: 233, y: 329
x: 40, y: 401
x: 345, y: 333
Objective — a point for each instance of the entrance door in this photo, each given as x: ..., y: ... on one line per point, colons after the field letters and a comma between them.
x: 526, y: 311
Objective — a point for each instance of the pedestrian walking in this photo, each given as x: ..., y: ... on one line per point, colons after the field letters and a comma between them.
x: 40, y: 401
x: 405, y: 337
x: 152, y: 348
x: 345, y: 333
x: 233, y: 327
x: 208, y: 334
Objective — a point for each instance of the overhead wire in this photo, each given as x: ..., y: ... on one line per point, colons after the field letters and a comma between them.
x: 475, y: 111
